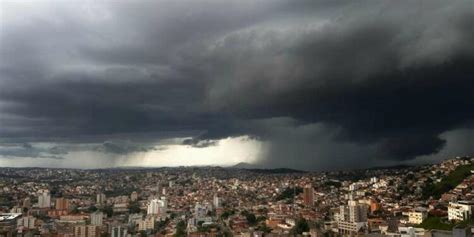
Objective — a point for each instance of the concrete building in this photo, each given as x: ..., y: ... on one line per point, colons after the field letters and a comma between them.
x: 8, y: 222
x: 408, y: 231
x: 44, y: 198
x: 216, y: 201
x: 352, y: 218
x: 308, y: 195
x: 417, y: 216
x: 101, y: 199
x: 462, y: 231
x: 97, y: 218
x: 27, y: 202
x: 157, y: 206
x: 62, y: 204
x: 27, y: 222
x: 118, y: 231
x: 459, y: 211
x: 86, y: 231
x: 147, y: 224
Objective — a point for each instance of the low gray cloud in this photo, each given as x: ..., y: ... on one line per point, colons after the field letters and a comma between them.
x: 196, y: 142
x: 121, y: 147
x: 27, y: 150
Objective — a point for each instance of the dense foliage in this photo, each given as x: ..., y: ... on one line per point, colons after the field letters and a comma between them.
x: 435, y: 190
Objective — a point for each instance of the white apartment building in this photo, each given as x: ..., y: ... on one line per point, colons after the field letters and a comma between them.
x: 157, y: 206
x: 352, y: 218
x: 147, y: 224
x: 97, y: 218
x: 27, y: 221
x: 119, y: 231
x: 44, y: 198
x: 417, y: 216
x: 459, y: 211
x: 101, y: 198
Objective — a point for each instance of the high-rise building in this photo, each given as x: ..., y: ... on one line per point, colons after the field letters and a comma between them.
x: 460, y: 211
x: 352, y: 218
x: 62, y: 204
x: 101, y: 198
x: 16, y: 209
x: 153, y: 208
x: 27, y: 202
x: 44, y: 198
x: 157, y: 206
x: 86, y: 231
x: 27, y: 221
x: 308, y: 195
x: 119, y: 231
x: 97, y: 218
x: 216, y: 202
x: 200, y: 210
x: 147, y: 224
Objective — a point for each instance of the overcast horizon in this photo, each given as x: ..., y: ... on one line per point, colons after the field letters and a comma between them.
x: 310, y: 85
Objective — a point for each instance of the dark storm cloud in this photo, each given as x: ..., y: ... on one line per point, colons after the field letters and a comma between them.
x: 199, y: 143
x: 27, y: 150
x: 383, y: 79
x: 121, y: 147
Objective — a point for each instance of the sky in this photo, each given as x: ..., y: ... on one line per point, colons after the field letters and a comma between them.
x: 313, y: 85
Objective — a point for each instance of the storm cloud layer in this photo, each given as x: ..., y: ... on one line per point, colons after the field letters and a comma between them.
x: 323, y: 84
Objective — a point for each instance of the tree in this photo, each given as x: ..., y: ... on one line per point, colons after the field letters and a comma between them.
x: 92, y: 208
x: 108, y: 210
x: 251, y: 219
x: 180, y: 229
x: 227, y: 213
x: 261, y: 218
x: 264, y: 228
x: 289, y: 193
x: 134, y: 208
x: 300, y: 226
x: 75, y: 210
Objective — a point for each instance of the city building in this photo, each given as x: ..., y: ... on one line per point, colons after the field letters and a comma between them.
x: 101, y: 199
x: 459, y: 211
x: 147, y: 224
x: 119, y: 231
x: 62, y: 204
x: 417, y: 216
x: 26, y: 202
x: 86, y: 231
x: 44, y: 198
x: 216, y: 201
x: 352, y: 218
x: 27, y: 222
x: 462, y: 231
x: 8, y: 223
x: 97, y: 218
x: 308, y: 195
x: 157, y: 206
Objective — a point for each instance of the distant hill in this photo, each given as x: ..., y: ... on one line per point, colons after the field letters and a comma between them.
x: 259, y: 169
x: 391, y: 167
x: 245, y: 165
